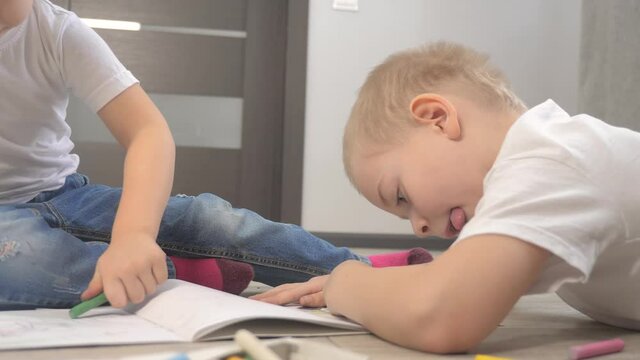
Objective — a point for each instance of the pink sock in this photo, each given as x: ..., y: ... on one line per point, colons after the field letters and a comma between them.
x: 220, y: 274
x: 402, y: 258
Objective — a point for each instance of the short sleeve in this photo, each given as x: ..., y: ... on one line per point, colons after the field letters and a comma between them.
x: 89, y: 67
x: 552, y: 205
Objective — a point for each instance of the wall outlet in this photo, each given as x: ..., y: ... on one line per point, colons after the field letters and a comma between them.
x: 345, y: 5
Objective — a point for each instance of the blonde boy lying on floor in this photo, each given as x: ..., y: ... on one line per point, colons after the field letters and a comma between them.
x: 540, y: 201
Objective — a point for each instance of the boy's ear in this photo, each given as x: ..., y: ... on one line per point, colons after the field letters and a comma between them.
x: 435, y: 110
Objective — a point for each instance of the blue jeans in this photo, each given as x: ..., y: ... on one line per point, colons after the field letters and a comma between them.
x: 49, y: 246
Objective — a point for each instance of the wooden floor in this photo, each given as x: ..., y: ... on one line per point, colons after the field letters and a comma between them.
x: 539, y: 327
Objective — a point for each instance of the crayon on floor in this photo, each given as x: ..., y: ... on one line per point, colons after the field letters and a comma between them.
x: 598, y: 348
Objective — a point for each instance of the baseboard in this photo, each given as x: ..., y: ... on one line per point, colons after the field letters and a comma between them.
x: 387, y: 241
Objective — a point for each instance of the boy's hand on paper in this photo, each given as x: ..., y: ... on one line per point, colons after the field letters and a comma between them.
x: 342, y: 278
x: 128, y: 270
x: 309, y: 294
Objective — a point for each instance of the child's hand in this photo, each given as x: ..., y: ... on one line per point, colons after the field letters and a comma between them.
x: 128, y: 270
x: 308, y: 293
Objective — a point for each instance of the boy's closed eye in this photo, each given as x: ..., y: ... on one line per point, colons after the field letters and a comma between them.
x: 401, y: 202
x: 400, y: 198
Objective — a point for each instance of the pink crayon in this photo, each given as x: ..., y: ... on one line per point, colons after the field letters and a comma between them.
x: 595, y: 349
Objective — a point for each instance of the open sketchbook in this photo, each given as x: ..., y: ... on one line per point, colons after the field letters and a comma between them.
x: 177, y: 312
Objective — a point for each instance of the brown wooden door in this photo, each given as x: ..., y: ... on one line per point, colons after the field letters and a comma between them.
x: 217, y: 71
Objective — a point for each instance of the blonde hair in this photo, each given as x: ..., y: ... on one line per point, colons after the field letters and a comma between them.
x: 381, y: 112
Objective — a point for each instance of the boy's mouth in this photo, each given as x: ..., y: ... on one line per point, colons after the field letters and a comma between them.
x: 457, y: 219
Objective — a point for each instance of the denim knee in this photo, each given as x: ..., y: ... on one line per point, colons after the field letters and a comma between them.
x: 216, y: 217
x: 209, y: 222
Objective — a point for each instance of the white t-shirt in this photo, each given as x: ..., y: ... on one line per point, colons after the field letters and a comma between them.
x: 570, y: 185
x: 44, y: 57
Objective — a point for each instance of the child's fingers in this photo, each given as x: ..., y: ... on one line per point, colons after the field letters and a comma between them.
x: 289, y: 294
x: 279, y: 295
x: 313, y: 300
x: 272, y: 292
x: 115, y: 292
x: 274, y: 296
x: 148, y: 281
x: 134, y: 288
x: 282, y: 298
x: 160, y: 272
x: 94, y: 288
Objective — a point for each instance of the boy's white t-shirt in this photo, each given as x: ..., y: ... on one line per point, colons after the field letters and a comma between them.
x: 49, y: 54
x: 570, y: 185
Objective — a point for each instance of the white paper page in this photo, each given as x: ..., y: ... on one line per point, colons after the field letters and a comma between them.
x: 193, y: 311
x: 28, y: 329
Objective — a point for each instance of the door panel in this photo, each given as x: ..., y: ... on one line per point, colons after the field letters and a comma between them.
x: 175, y: 63
x: 198, y: 170
x: 200, y: 121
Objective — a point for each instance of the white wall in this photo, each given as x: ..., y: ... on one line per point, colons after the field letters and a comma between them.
x: 536, y: 43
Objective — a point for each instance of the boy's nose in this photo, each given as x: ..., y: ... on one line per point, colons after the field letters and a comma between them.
x: 420, y: 227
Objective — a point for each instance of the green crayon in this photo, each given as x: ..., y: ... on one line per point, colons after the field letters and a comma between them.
x: 87, y: 305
